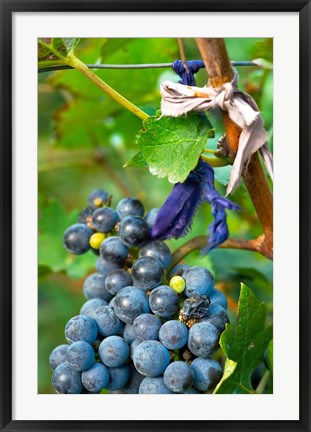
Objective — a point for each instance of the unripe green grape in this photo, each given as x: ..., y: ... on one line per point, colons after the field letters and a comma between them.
x: 178, y: 284
x: 96, y: 240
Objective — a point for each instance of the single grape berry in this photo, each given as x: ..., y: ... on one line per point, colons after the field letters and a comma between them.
x: 113, y: 249
x: 203, y: 339
x: 118, y: 279
x: 218, y: 297
x: 130, y: 207
x: 192, y: 390
x: 107, y: 321
x: 147, y: 273
x: 58, y: 356
x: 134, y: 381
x: 151, y: 217
x: 163, y: 301
x: 157, y: 249
x: 133, y: 347
x: 104, y: 267
x: 81, y: 328
x: 217, y: 316
x: 198, y: 281
x: 207, y: 373
x: 94, y: 287
x: 118, y: 377
x: 76, y: 238
x: 98, y: 198
x: 146, y: 327
x: 89, y: 307
x: 104, y: 219
x: 178, y: 377
x: 128, y: 333
x: 113, y: 351
x: 153, y: 386
x: 129, y: 303
x: 178, y: 284
x: 66, y: 380
x: 151, y: 358
x: 80, y: 355
x: 95, y: 378
x: 134, y: 231
x: 96, y: 240
x: 173, y: 335
x: 85, y: 216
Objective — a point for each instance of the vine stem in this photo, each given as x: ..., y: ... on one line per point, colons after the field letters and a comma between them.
x: 77, y: 64
x: 263, y: 382
x: 199, y: 242
x: 182, y: 53
x: 219, y: 69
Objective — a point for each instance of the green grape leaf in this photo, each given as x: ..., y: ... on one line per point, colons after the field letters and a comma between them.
x: 245, y: 344
x: 52, y: 50
x: 229, y: 368
x: 270, y: 356
x: 172, y: 146
x: 136, y: 161
x: 52, y: 253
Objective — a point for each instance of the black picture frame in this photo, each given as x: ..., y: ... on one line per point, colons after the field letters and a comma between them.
x: 7, y: 9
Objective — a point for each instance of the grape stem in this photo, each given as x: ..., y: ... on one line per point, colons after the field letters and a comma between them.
x: 216, y: 162
x: 200, y: 242
x: 263, y: 382
x: 77, y: 64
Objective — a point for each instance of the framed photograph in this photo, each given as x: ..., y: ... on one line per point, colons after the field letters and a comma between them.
x: 155, y: 216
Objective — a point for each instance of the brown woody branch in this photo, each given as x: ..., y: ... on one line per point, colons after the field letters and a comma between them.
x: 217, y: 63
x: 200, y: 242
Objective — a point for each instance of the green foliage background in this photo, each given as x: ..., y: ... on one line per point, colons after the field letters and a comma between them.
x: 85, y: 138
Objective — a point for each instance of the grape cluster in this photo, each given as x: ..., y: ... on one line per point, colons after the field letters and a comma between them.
x: 142, y: 328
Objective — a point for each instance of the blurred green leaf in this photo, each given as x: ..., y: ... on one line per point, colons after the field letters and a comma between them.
x: 53, y: 221
x: 264, y: 49
x: 222, y: 174
x: 266, y: 101
x: 270, y: 356
x: 245, y: 344
x: 265, y: 64
x: 172, y: 146
x: 88, y: 106
x: 79, y: 122
x: 43, y: 271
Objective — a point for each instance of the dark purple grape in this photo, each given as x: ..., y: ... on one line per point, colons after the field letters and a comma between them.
x: 118, y: 279
x: 76, y: 238
x: 130, y: 207
x: 147, y: 273
x: 113, y: 249
x: 134, y: 231
x: 98, y: 198
x: 104, y: 219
